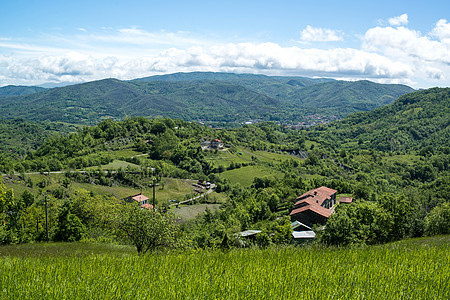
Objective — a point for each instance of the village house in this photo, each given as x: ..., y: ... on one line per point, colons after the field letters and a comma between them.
x: 314, y: 206
x: 141, y: 199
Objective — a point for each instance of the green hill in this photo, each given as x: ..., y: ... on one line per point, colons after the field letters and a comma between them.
x: 217, y: 97
x: 17, y: 90
x: 413, y: 121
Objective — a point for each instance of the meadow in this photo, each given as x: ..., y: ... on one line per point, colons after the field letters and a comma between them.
x: 409, y: 269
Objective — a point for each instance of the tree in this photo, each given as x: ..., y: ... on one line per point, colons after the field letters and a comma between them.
x: 438, y: 220
x: 70, y: 227
x: 146, y: 229
x: 358, y: 223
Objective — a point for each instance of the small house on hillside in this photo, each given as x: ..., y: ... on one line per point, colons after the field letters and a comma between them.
x: 313, y: 207
x: 142, y: 200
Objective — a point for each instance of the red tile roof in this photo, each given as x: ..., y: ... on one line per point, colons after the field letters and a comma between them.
x: 139, y: 198
x: 318, y: 195
x: 147, y: 206
x: 325, y: 212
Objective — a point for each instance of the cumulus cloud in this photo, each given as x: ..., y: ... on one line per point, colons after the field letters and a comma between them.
x: 428, y: 55
x: 242, y: 57
x: 391, y: 54
x: 441, y: 30
x: 404, y: 43
x: 399, y: 21
x: 315, y: 34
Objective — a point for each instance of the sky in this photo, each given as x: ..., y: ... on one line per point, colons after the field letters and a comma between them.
x: 46, y: 41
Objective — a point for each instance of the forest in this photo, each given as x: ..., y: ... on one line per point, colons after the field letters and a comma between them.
x: 394, y: 161
x: 219, y: 99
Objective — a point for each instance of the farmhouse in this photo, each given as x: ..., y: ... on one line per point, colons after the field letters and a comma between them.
x: 314, y: 207
x: 141, y: 199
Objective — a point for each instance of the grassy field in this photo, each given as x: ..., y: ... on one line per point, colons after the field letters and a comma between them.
x: 244, y: 176
x: 410, y: 269
x: 169, y: 188
x: 115, y: 165
x: 188, y: 212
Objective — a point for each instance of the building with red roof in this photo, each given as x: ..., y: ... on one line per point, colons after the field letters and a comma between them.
x: 141, y: 199
x: 314, y: 206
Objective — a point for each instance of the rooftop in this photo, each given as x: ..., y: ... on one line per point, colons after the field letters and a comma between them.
x: 147, y: 206
x: 139, y: 198
x: 318, y: 195
x: 325, y: 212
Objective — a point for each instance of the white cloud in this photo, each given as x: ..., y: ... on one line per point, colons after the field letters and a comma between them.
x: 399, y: 21
x: 243, y: 57
x: 315, y: 34
x: 441, y: 30
x: 404, y: 43
x: 387, y: 54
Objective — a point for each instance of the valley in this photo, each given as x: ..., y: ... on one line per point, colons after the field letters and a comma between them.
x: 228, y: 193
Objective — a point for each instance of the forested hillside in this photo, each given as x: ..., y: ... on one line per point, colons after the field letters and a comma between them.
x: 263, y: 168
x: 19, y: 137
x: 211, y: 97
x: 417, y: 121
x: 16, y: 90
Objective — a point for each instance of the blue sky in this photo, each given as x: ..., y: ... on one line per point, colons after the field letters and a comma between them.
x: 74, y: 41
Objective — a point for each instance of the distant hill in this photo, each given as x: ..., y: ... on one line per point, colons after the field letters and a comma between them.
x: 19, y: 90
x: 219, y: 97
x: 414, y: 121
x: 348, y: 96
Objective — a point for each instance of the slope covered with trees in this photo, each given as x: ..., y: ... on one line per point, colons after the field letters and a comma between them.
x: 17, y: 90
x: 215, y: 97
x: 416, y: 121
x: 398, y: 193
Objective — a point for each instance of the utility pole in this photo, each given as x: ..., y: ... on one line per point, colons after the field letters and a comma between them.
x: 154, y: 182
x: 46, y: 215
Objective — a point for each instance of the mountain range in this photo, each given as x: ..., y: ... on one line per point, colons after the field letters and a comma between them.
x: 216, y: 97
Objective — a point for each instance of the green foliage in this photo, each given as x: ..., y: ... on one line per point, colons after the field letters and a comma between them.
x: 70, y: 227
x: 215, y: 97
x: 416, y: 121
x: 358, y: 223
x: 147, y: 230
x: 438, y: 221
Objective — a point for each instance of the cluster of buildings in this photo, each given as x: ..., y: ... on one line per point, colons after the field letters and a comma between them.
x: 313, y: 208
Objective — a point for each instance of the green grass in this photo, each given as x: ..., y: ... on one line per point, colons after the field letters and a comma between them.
x: 242, y: 155
x: 244, y: 176
x: 170, y: 188
x: 413, y: 269
x: 115, y: 165
x: 125, y: 153
x: 188, y: 212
